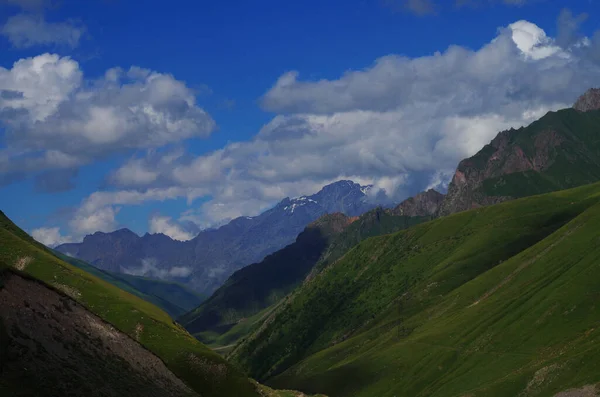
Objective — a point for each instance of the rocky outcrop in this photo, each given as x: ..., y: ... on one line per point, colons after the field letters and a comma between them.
x: 588, y: 101
x: 423, y: 204
x: 526, y: 155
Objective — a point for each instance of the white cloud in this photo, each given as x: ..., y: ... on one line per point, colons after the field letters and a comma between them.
x: 50, y: 236
x: 54, y: 118
x: 149, y: 268
x: 180, y: 271
x: 27, y: 30
x: 99, y: 210
x: 166, y: 225
x: 87, y: 222
x: 401, y: 124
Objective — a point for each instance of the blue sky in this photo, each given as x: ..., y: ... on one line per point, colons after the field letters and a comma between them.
x: 231, y: 106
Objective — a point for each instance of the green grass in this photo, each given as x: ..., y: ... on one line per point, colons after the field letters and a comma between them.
x: 202, y: 369
x: 396, y: 315
x: 234, y: 310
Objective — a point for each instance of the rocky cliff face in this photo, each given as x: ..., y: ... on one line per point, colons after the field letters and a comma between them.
x: 588, y: 101
x: 559, y: 151
x: 423, y: 204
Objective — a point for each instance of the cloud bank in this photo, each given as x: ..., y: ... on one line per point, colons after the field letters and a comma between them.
x: 401, y: 124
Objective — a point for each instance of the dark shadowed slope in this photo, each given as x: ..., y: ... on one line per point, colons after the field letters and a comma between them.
x: 497, y: 301
x: 235, y: 308
x: 131, y: 318
x: 258, y: 286
x: 58, y: 348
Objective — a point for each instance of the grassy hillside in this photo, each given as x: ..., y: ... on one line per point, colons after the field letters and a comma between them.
x: 258, y: 286
x: 201, y: 369
x: 251, y: 293
x: 498, y: 301
x: 173, y: 298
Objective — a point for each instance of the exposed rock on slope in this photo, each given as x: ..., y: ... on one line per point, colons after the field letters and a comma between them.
x: 559, y: 151
x: 588, y: 101
x: 423, y: 204
x: 53, y: 346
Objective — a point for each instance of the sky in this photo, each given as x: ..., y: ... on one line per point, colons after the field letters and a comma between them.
x: 176, y: 116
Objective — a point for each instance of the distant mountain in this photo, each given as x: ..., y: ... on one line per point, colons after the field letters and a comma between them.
x: 559, y: 151
x: 206, y: 261
x: 231, y: 312
x: 172, y: 297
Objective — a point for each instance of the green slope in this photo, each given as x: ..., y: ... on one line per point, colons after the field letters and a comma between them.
x: 258, y: 286
x: 203, y: 370
x: 498, y: 301
x: 250, y: 294
x: 173, y: 298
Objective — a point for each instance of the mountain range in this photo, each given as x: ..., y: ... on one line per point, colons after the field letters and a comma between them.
x: 206, y: 261
x: 489, y: 290
x: 252, y: 292
x: 368, y: 300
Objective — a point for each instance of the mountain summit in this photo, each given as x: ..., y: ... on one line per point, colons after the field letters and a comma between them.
x: 559, y: 151
x: 588, y: 101
x: 207, y: 260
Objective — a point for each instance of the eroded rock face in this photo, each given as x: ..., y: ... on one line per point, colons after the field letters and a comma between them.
x: 588, y: 101
x: 503, y: 156
x: 423, y: 204
x: 52, y: 346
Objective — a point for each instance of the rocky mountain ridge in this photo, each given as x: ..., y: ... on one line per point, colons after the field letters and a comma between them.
x: 559, y: 151
x: 204, y: 262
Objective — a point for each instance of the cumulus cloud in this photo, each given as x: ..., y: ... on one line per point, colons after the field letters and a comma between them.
x: 28, y: 30
x: 50, y: 236
x: 401, y: 124
x: 166, y: 225
x: 56, y: 119
x: 99, y: 210
x: 149, y: 268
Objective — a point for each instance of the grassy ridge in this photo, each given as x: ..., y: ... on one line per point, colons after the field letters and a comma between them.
x: 235, y: 309
x: 395, y: 316
x: 203, y: 370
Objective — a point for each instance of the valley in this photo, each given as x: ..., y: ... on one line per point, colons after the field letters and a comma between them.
x: 395, y: 198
